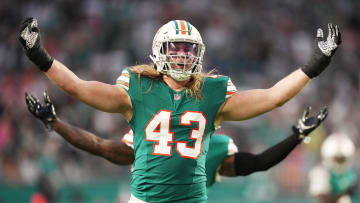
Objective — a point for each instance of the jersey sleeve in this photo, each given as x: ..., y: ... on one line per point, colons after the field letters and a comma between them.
x: 231, y: 89
x: 124, y: 80
x: 128, y: 139
x: 220, y: 147
x: 232, y: 148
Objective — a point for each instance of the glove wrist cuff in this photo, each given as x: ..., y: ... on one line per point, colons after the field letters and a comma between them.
x: 316, y: 65
x: 301, y: 136
x: 49, y: 122
x: 41, y: 58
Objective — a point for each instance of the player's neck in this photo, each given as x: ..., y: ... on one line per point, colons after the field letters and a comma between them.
x: 173, y: 84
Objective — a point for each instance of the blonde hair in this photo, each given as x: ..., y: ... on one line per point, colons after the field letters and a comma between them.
x: 192, y: 88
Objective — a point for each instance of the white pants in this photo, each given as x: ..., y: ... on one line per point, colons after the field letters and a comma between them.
x: 133, y: 199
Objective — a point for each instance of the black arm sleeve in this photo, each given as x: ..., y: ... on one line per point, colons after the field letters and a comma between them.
x: 247, y: 163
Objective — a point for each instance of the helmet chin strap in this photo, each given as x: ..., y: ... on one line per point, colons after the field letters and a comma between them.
x: 152, y: 58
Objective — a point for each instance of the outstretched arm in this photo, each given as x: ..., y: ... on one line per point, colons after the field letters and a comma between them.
x: 248, y: 104
x: 243, y: 163
x: 113, y: 150
x: 102, y: 96
x: 105, y: 97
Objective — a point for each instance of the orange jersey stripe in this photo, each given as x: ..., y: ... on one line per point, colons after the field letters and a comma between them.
x: 230, y: 93
x: 122, y: 82
x: 182, y: 27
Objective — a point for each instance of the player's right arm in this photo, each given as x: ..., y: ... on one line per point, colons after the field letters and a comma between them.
x: 102, y: 96
x: 244, y: 163
x: 115, y: 151
x: 105, y: 97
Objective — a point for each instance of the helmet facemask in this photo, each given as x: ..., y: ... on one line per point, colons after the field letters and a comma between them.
x: 178, y: 53
x: 182, y: 59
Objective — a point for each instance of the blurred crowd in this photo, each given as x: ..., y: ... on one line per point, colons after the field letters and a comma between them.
x: 255, y: 42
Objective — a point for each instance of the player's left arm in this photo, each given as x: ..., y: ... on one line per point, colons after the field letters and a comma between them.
x: 243, y: 163
x: 248, y: 104
x: 251, y: 103
x: 113, y: 150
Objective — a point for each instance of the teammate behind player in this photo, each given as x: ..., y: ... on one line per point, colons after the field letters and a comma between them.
x: 223, y: 157
x: 334, y: 180
x: 173, y: 107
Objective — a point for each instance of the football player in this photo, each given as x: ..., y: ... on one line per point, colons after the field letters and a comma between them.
x: 222, y: 159
x: 335, y: 180
x: 173, y: 107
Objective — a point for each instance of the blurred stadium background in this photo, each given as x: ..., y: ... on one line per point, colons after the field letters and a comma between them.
x: 254, y: 42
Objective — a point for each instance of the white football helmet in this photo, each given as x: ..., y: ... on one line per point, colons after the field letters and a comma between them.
x: 172, y: 32
x: 337, y: 152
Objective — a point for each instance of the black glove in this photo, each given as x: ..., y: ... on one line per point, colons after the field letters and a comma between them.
x: 46, y: 112
x: 323, y: 52
x: 306, y: 125
x: 29, y: 37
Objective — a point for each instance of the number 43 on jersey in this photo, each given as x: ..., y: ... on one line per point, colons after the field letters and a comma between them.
x: 158, y: 130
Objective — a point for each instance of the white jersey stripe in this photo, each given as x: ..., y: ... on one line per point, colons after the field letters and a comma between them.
x: 230, y: 89
x: 128, y: 139
x: 123, y: 86
x: 123, y: 80
x: 232, y: 148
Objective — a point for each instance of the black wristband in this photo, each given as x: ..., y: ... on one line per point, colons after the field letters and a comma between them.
x: 316, y: 65
x: 40, y: 57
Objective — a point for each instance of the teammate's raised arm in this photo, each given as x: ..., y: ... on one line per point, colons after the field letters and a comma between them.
x: 105, y: 97
x: 115, y: 151
x: 243, y: 163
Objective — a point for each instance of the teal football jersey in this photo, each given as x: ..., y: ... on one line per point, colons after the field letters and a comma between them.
x: 221, y: 146
x: 325, y: 181
x: 171, y: 137
x: 340, y: 183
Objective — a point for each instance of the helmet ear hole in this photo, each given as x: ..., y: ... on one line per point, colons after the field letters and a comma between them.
x: 166, y: 67
x: 163, y: 48
x: 194, y: 69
